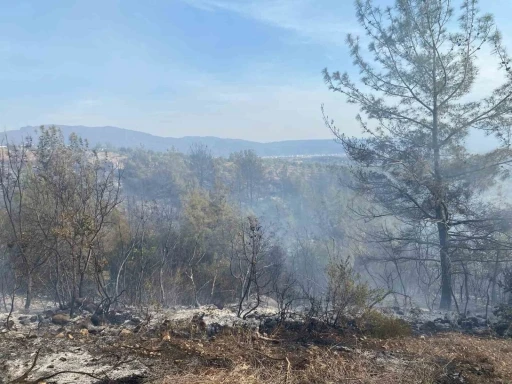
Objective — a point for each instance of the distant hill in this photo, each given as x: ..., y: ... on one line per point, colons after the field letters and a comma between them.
x: 119, y: 138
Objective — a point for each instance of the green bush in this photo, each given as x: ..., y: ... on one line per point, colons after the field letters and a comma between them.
x: 346, y: 295
x: 378, y: 325
x: 503, y: 327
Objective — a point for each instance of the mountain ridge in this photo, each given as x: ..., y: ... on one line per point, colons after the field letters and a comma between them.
x: 109, y: 136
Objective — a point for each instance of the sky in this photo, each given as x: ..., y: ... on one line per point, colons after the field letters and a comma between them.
x: 247, y: 69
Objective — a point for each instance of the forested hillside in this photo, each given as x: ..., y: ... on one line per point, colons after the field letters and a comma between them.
x: 382, y: 255
x: 169, y: 228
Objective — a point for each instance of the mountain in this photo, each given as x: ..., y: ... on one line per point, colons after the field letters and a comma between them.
x: 119, y: 138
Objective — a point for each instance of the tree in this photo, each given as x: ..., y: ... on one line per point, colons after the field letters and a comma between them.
x: 254, y: 264
x: 249, y: 172
x: 83, y: 187
x: 417, y: 109
x: 20, y: 206
x: 200, y: 161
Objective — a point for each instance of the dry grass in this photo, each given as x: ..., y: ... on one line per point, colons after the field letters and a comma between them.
x: 482, y: 360
x: 411, y: 360
x: 296, y: 355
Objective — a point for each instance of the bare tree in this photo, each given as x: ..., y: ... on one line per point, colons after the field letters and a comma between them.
x: 24, y: 240
x: 251, y: 265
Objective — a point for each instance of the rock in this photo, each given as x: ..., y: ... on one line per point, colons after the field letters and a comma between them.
x: 90, y: 307
x: 125, y: 332
x: 80, y: 301
x: 268, y: 325
x: 482, y: 321
x: 83, y: 324
x: 482, y: 332
x: 95, y: 330
x: 135, y: 321
x: 342, y: 348
x: 429, y: 326
x: 118, y: 318
x: 466, y: 324
x: 166, y: 336
x: 443, y: 327
x: 213, y: 329
x: 44, y: 320
x: 60, y: 319
x: 502, y: 329
x: 48, y: 313
x: 97, y: 320
x: 475, y: 321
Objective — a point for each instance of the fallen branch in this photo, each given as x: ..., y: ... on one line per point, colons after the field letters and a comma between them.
x: 288, y: 368
x: 13, y: 296
x: 270, y: 357
x: 288, y: 364
x: 22, y: 378
x: 261, y: 337
x: 36, y: 381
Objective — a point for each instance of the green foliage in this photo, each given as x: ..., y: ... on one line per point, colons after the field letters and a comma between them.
x: 378, y: 325
x: 346, y: 295
x: 172, y: 234
x: 503, y: 312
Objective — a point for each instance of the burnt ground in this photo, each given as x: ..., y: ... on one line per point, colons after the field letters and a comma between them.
x: 177, y: 349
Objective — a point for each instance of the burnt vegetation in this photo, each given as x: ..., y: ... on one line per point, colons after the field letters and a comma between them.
x: 390, y: 264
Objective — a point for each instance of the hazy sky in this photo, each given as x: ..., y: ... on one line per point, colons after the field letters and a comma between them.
x: 230, y: 68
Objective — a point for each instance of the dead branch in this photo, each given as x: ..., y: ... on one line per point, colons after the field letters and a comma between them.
x: 22, y: 378
x: 36, y: 381
x: 288, y: 368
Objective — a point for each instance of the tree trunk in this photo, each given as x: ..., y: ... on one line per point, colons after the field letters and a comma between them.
x: 161, y: 278
x: 28, y: 299
x: 73, y: 289
x: 466, y: 288
x: 446, y: 269
x: 494, y: 295
x: 81, y: 285
x: 441, y: 213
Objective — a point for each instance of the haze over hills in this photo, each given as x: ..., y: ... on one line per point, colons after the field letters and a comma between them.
x: 120, y: 137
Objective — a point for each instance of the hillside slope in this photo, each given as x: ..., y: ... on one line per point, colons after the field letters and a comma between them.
x: 119, y: 137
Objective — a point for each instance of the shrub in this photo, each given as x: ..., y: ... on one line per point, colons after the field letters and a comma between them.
x: 378, y: 325
x: 503, y: 327
x: 346, y: 295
